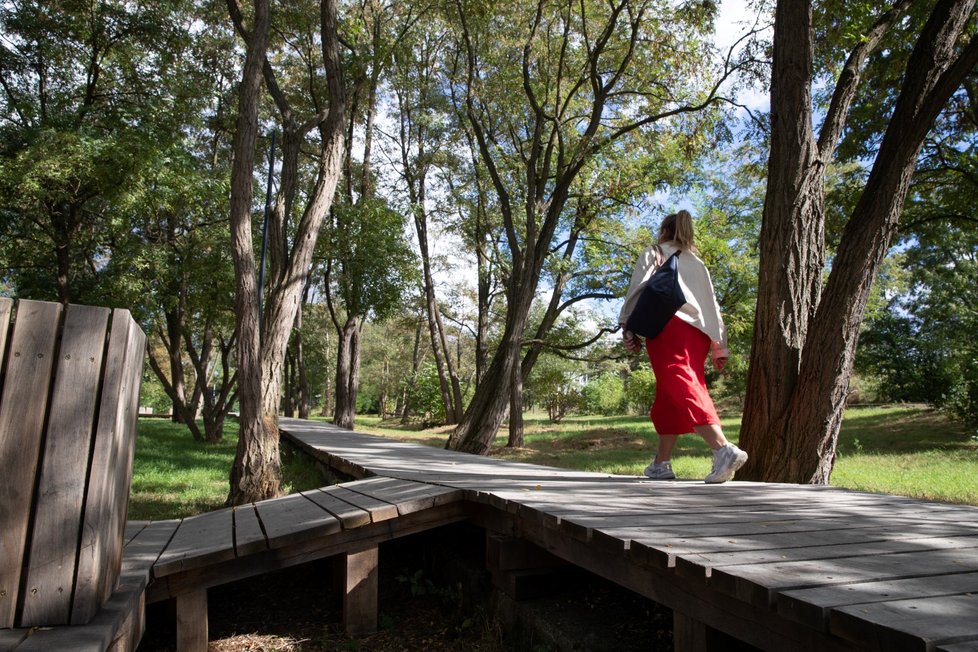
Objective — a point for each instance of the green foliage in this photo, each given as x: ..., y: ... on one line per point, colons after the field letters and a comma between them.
x: 554, y: 386
x: 424, y: 396
x: 640, y: 390
x: 374, y: 265
x: 605, y: 394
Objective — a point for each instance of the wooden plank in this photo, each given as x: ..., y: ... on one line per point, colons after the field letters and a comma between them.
x: 6, y: 307
x: 119, y: 621
x: 200, y: 540
x: 963, y: 646
x: 192, y: 628
x: 917, y: 624
x: 61, y: 486
x: 360, y: 592
x: 812, y: 606
x: 142, y: 551
x: 350, y: 516
x: 11, y: 638
x: 767, y: 541
x: 406, y: 495
x: 248, y: 535
x: 701, y: 564
x: 125, y: 443
x: 100, y: 550
x: 133, y: 528
x: 344, y: 541
x: 759, y: 584
x: 379, y: 510
x: 294, y: 518
x: 23, y: 404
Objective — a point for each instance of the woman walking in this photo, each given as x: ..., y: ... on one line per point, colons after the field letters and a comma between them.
x: 678, y: 354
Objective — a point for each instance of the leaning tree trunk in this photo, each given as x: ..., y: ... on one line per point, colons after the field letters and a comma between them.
x: 255, y: 474
x: 485, y: 414
x: 800, y: 445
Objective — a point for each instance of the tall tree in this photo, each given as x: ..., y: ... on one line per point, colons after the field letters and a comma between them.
x: 425, y: 135
x: 262, y: 353
x: 369, y: 266
x: 585, y: 76
x: 805, y: 335
x: 83, y: 88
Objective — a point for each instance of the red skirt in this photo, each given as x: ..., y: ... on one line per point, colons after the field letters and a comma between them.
x: 682, y: 401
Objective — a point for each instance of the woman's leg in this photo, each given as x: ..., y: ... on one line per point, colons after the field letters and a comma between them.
x: 666, y: 444
x: 712, y: 434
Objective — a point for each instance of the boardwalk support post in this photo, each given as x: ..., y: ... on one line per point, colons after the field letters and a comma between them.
x: 360, y: 571
x: 192, y: 621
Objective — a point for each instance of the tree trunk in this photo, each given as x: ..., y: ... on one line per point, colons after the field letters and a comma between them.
x: 478, y: 428
x: 516, y: 406
x: 174, y: 350
x: 255, y: 474
x: 289, y: 268
x: 794, y: 440
x: 791, y: 242
x: 347, y: 374
x: 327, y: 407
x: 412, y: 381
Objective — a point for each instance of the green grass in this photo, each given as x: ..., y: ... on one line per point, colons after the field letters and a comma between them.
x: 904, y: 450
x: 174, y: 476
x: 908, y: 450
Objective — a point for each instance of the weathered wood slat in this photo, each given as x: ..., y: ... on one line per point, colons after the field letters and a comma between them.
x: 812, y: 606
x: 963, y: 646
x: 406, y: 495
x: 133, y: 528
x: 100, y: 552
x: 200, y: 540
x: 11, y: 638
x: 144, y: 549
x: 379, y: 510
x: 294, y: 518
x: 61, y: 486
x: 701, y: 564
x: 350, y: 516
x: 23, y: 405
x: 248, y: 535
x: 115, y: 621
x: 759, y: 584
x: 917, y: 624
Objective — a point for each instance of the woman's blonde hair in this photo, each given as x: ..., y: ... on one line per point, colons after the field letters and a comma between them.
x: 678, y: 227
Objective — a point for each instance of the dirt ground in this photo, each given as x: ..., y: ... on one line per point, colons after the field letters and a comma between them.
x: 423, y: 606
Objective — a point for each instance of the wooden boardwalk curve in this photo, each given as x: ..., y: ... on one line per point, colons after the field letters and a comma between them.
x: 779, y: 566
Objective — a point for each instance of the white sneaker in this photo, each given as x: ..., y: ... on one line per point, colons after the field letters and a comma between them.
x: 659, y: 470
x: 726, y: 460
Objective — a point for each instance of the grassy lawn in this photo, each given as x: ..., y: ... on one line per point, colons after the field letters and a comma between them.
x: 906, y: 450
x: 173, y: 476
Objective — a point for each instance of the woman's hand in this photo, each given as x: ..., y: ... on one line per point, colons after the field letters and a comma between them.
x: 632, y: 341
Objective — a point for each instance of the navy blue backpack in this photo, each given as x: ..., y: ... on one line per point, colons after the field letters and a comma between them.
x: 658, y: 300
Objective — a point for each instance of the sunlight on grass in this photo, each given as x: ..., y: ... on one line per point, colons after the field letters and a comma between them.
x: 909, y: 450
x: 904, y: 450
x: 175, y: 476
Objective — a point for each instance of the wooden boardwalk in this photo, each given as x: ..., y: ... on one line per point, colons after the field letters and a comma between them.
x: 782, y: 567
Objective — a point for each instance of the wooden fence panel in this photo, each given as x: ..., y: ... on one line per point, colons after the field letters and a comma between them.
x: 61, y: 489
x: 23, y: 404
x: 100, y: 550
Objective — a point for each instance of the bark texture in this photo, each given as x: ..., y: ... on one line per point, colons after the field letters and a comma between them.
x: 804, y: 339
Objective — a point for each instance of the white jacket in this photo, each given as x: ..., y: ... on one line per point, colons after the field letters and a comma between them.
x: 700, y: 310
